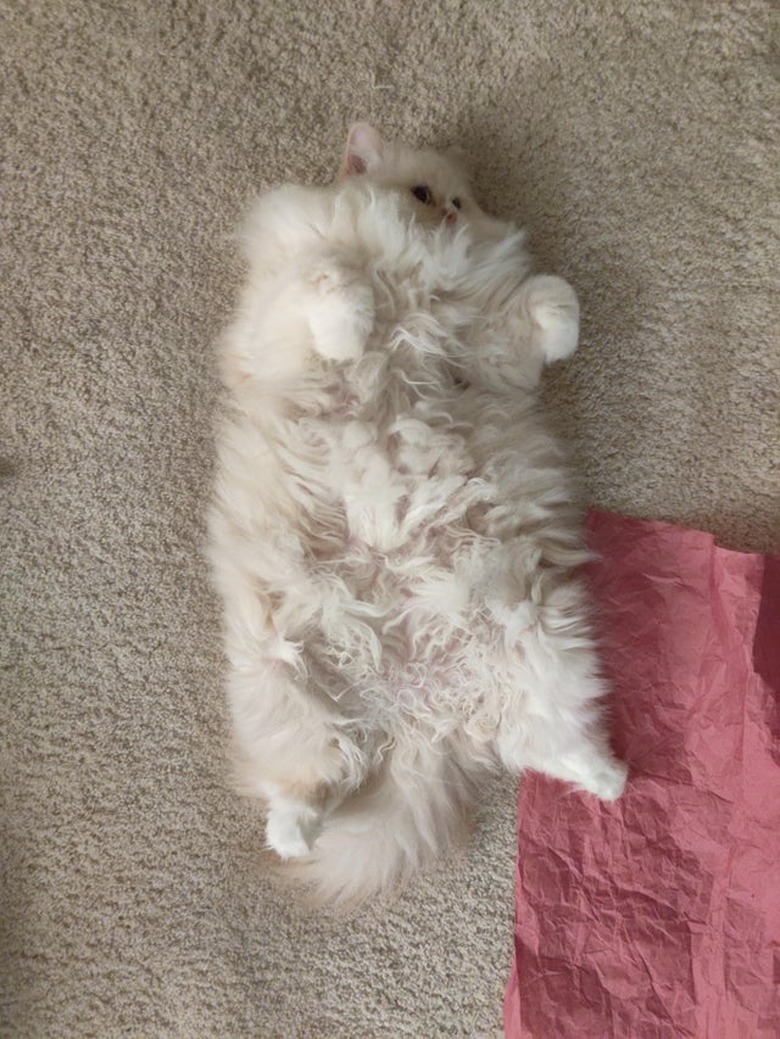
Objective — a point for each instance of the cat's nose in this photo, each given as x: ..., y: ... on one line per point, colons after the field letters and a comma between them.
x: 450, y: 214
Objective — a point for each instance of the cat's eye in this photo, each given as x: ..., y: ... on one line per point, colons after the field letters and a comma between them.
x: 457, y: 203
x: 422, y: 193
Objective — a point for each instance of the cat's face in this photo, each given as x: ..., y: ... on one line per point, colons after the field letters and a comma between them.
x: 433, y: 187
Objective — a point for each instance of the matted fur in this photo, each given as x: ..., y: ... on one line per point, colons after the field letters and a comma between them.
x: 393, y: 534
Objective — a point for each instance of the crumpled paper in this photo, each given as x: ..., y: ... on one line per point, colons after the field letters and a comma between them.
x: 658, y: 917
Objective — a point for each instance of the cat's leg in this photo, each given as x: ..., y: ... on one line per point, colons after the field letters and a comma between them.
x: 577, y: 754
x: 304, y: 785
x: 553, y: 311
x: 296, y: 815
x: 293, y: 746
x: 592, y: 768
x: 296, y: 757
x: 339, y: 305
x: 318, y: 305
x: 510, y: 346
x: 292, y: 826
x: 553, y: 721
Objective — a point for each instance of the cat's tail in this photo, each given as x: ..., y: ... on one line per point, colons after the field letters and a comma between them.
x: 411, y: 812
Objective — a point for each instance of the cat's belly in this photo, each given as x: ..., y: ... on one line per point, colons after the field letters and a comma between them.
x: 401, y: 652
x: 420, y: 571
x: 421, y: 630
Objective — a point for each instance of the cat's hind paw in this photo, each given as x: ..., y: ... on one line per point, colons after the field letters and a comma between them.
x: 608, y: 782
x: 292, y: 828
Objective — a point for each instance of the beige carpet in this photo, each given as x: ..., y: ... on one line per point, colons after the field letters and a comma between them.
x: 638, y: 141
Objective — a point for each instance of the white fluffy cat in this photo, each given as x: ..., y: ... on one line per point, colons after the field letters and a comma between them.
x: 393, y: 534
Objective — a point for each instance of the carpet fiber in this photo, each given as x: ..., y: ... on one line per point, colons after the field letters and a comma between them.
x: 638, y: 142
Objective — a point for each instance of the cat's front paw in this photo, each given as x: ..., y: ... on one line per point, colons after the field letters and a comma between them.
x: 341, y: 317
x: 292, y: 828
x: 552, y: 306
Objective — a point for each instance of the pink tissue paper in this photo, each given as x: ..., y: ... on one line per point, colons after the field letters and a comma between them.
x: 658, y: 917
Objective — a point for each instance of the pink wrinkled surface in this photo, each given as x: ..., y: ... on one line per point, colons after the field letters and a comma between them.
x: 658, y: 917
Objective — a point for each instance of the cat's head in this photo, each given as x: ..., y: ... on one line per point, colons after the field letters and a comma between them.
x: 433, y: 187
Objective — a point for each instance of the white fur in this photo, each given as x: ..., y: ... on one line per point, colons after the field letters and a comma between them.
x: 393, y: 533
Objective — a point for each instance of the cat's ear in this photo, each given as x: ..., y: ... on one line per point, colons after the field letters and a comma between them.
x: 364, y: 149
